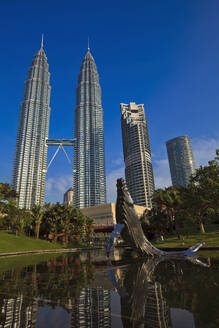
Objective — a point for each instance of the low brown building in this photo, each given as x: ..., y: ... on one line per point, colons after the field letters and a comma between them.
x: 105, y: 215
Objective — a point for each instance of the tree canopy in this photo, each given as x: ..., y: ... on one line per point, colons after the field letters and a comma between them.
x: 176, y: 209
x: 52, y: 221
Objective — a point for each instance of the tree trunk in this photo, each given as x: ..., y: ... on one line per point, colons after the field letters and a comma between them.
x: 34, y: 277
x: 64, y: 239
x: 201, y: 225
x: 170, y: 223
x: 55, y: 237
x: 37, y: 231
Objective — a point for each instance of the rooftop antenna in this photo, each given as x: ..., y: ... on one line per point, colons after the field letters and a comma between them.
x: 42, y: 42
x: 88, y: 44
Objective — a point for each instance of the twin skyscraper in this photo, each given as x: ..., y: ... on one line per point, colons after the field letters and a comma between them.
x: 29, y: 170
x: 30, y: 161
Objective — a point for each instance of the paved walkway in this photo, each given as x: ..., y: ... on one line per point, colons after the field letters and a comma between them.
x: 75, y: 250
x: 43, y: 251
x: 206, y: 248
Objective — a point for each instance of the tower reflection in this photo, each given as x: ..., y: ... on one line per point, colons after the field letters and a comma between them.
x: 82, y: 291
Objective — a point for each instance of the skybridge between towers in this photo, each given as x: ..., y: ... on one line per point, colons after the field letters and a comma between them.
x: 60, y: 143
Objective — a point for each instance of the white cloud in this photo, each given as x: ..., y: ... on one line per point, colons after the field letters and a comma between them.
x: 111, y: 183
x: 204, y: 150
x: 57, y: 186
x: 118, y: 161
x: 161, y: 173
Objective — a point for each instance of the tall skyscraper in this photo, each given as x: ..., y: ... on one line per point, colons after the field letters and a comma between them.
x: 181, y: 160
x: 29, y: 170
x: 89, y: 158
x: 137, y: 154
x: 68, y: 197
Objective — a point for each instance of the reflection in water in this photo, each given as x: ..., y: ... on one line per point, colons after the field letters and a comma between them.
x: 92, y: 308
x: 182, y: 318
x: 75, y: 291
x: 156, y: 309
x: 142, y: 301
x: 15, y: 312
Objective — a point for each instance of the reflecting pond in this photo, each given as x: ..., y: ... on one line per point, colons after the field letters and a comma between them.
x: 84, y: 290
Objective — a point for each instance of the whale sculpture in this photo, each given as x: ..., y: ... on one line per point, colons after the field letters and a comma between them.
x: 129, y: 227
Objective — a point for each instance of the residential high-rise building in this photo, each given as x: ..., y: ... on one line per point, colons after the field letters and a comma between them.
x: 137, y: 154
x: 181, y: 160
x: 89, y: 157
x: 29, y: 170
x: 68, y: 197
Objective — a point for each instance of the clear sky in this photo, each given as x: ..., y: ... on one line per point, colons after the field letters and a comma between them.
x: 164, y: 54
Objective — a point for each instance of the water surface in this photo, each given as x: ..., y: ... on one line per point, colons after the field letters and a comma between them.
x: 83, y: 290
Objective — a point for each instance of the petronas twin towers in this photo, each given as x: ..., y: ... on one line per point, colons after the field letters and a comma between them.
x: 29, y: 170
x: 89, y: 159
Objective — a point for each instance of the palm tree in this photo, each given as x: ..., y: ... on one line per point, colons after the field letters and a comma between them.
x: 7, y: 202
x: 168, y: 202
x: 37, y: 214
x: 173, y: 204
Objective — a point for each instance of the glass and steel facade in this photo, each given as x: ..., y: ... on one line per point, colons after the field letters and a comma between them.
x: 89, y: 157
x: 137, y: 154
x: 181, y: 160
x: 29, y: 169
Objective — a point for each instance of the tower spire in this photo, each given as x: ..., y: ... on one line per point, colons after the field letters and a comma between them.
x: 42, y: 42
x: 88, y: 44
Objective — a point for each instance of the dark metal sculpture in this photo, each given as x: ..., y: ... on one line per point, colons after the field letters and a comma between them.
x: 129, y: 227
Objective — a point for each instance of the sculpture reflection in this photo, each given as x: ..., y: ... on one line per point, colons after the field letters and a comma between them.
x: 143, y: 302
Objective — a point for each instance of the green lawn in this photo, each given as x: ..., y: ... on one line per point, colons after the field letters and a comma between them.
x: 210, y: 239
x: 10, y: 243
x: 18, y: 262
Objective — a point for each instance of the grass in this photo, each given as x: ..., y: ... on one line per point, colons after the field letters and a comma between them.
x: 10, y: 243
x: 18, y: 262
x: 211, y: 239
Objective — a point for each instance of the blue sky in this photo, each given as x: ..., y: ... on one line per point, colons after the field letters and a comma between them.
x: 163, y: 54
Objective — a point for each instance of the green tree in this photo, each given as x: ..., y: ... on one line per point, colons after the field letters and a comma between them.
x: 201, y: 197
x: 167, y: 203
x: 78, y: 221
x: 61, y: 220
x: 6, y: 192
x: 89, y: 230
x: 25, y: 220
x: 10, y: 221
x: 186, y: 208
x: 7, y: 203
x: 37, y: 214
